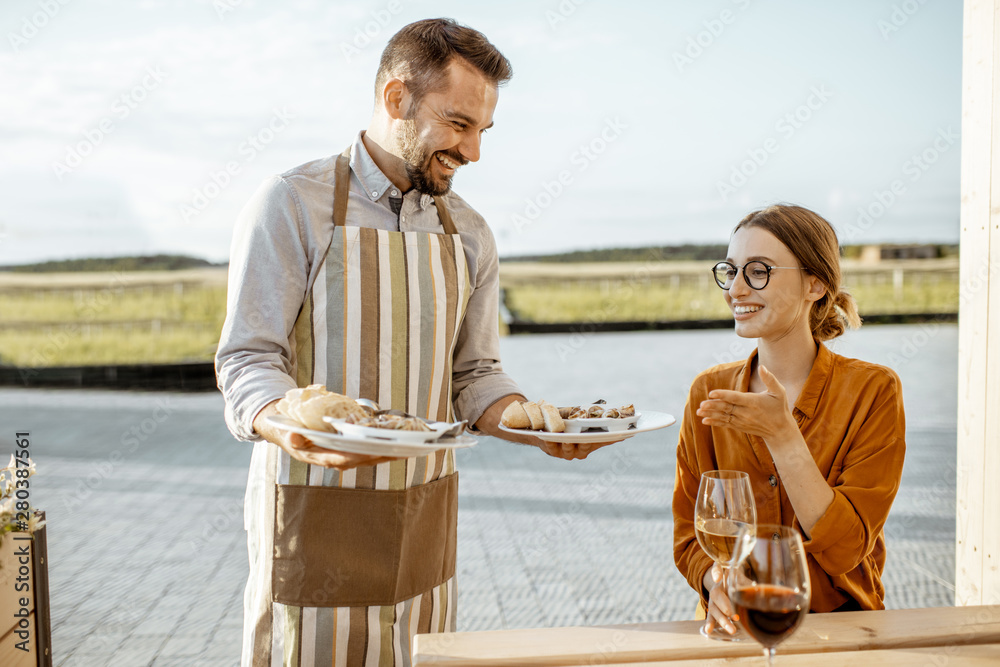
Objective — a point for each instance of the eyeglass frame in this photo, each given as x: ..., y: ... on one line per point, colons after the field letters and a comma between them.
x: 743, y: 269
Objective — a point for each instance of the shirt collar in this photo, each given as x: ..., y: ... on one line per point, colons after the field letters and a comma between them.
x: 375, y: 183
x: 813, y: 388
x: 816, y: 382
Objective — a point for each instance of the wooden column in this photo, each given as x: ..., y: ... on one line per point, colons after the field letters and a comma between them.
x: 977, y: 530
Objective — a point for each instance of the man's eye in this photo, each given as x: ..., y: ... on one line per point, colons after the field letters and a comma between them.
x: 460, y: 126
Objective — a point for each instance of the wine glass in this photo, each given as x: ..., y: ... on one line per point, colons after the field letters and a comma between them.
x: 725, y: 504
x: 769, y: 584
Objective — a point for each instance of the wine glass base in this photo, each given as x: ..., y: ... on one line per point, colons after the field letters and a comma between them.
x: 719, y: 634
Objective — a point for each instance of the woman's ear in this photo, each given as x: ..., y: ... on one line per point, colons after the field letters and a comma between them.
x: 815, y: 289
x: 396, y: 99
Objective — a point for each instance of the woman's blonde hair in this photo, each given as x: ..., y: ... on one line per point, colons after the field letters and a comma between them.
x: 814, y: 243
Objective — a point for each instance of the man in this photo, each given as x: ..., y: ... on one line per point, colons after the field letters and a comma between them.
x: 365, y: 273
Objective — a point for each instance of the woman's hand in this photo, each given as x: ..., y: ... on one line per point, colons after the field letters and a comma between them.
x: 720, y: 609
x: 765, y: 414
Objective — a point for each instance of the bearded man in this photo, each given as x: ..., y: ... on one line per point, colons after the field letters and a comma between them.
x: 364, y: 272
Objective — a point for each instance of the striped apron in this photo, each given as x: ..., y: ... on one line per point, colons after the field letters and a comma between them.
x: 345, y: 567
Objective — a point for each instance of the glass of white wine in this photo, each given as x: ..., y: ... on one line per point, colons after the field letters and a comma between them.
x: 725, y: 504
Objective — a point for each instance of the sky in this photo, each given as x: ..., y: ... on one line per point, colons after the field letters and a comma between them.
x: 143, y: 127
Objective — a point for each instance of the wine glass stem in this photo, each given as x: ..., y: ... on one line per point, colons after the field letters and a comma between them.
x: 769, y: 654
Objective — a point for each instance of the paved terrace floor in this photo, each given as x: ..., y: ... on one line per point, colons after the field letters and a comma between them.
x: 144, y: 492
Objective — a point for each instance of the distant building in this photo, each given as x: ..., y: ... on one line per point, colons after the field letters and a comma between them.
x: 873, y: 254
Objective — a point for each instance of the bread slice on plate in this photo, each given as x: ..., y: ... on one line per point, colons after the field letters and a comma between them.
x: 514, y: 416
x: 553, y: 421
x: 534, y: 415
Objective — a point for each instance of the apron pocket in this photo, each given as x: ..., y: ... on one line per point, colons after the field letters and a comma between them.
x: 336, y: 547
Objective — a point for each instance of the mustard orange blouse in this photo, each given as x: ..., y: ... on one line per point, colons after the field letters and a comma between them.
x: 850, y: 413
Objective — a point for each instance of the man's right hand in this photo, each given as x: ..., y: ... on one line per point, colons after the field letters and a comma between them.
x: 301, y: 448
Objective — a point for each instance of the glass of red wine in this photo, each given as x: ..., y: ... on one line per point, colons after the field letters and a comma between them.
x: 725, y: 504
x: 769, y: 584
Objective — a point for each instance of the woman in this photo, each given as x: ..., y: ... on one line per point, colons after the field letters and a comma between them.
x: 821, y: 435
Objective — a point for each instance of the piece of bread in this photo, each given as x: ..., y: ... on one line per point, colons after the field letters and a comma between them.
x: 550, y: 415
x: 308, y: 406
x: 514, y: 416
x: 534, y: 415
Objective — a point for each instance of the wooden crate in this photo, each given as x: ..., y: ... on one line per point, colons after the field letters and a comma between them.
x: 24, y: 613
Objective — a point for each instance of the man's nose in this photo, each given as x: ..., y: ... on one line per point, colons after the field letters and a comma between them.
x: 469, y: 147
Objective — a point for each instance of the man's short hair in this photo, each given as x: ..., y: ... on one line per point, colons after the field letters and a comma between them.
x: 420, y: 53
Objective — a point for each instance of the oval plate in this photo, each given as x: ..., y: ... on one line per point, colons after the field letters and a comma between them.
x: 370, y: 446
x: 648, y: 421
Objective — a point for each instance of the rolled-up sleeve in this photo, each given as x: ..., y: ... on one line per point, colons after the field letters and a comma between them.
x: 689, y: 557
x: 477, y: 375
x: 865, y: 487
x: 268, y: 270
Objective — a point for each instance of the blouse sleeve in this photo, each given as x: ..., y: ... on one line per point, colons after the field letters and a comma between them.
x: 689, y: 557
x: 868, y: 481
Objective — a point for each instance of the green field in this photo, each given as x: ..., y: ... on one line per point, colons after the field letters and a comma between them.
x: 75, y: 320
x: 556, y: 302
x: 146, y: 325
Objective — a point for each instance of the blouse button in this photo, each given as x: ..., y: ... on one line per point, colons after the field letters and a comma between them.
x: 772, y: 480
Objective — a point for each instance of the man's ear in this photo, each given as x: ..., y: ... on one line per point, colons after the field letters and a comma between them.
x: 815, y: 289
x: 396, y: 99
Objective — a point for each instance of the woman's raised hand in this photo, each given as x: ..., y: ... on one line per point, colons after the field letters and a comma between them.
x: 765, y: 414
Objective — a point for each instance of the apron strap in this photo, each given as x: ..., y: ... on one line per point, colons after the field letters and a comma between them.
x: 341, y: 186
x: 444, y: 216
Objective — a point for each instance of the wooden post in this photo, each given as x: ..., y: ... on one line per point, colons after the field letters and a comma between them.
x: 977, y: 527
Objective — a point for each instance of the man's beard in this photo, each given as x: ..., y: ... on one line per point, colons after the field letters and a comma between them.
x: 417, y: 161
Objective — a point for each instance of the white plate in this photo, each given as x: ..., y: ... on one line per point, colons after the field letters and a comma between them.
x: 605, y: 424
x: 648, y: 421
x: 356, y: 445
x: 392, y: 435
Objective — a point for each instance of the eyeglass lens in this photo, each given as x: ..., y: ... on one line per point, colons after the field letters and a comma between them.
x: 756, y: 274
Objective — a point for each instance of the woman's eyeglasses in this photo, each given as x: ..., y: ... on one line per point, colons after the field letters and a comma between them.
x: 756, y: 273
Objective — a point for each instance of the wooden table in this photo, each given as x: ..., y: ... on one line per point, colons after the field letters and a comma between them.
x: 937, y: 636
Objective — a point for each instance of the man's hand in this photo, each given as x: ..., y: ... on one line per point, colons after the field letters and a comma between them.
x: 301, y: 448
x: 490, y: 421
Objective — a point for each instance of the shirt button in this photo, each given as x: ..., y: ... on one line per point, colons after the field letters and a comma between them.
x: 374, y: 193
x: 394, y: 193
x: 402, y: 218
x: 772, y: 480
